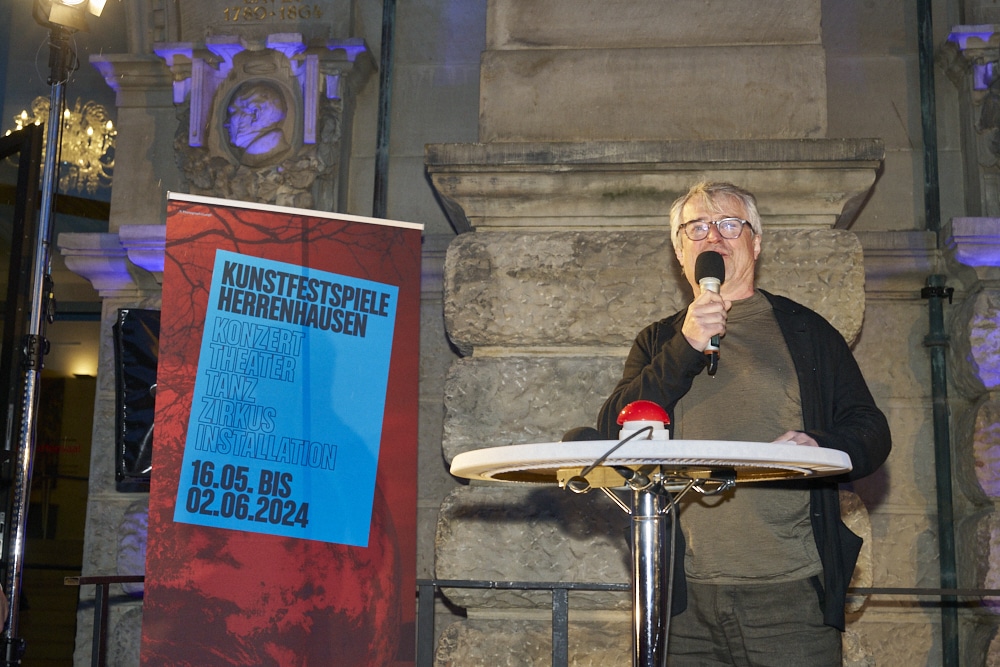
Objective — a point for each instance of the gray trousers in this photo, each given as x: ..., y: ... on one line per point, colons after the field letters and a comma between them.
x: 754, y: 625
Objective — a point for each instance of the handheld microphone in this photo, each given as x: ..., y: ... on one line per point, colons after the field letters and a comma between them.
x: 710, y: 272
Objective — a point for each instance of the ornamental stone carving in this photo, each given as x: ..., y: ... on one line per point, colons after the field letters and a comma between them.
x: 970, y: 58
x: 263, y: 121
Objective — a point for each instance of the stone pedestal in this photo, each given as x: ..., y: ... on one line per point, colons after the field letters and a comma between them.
x: 569, y: 257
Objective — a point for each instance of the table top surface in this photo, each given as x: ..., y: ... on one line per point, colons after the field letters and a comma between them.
x: 554, y: 462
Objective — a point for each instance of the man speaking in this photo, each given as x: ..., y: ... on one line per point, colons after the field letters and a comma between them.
x: 766, y: 566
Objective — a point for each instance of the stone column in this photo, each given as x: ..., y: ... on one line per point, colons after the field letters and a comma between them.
x: 594, y: 117
x: 973, y: 244
x: 144, y: 166
x: 126, y: 269
x: 896, y: 362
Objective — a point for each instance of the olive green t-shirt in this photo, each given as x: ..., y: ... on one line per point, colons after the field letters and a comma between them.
x: 757, y: 532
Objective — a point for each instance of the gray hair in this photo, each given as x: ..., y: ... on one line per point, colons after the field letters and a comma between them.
x: 712, y: 193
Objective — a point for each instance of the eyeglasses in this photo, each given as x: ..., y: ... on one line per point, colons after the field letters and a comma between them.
x: 728, y: 228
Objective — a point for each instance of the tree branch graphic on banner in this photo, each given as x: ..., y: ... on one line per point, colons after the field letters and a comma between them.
x: 282, y: 524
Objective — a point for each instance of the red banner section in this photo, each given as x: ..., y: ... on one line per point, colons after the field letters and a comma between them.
x: 282, y: 518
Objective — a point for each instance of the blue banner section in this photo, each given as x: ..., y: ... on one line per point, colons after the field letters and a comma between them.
x: 289, y: 397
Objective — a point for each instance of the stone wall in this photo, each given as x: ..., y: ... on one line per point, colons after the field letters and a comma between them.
x: 565, y: 70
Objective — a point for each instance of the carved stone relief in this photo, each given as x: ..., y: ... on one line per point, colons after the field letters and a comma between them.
x: 257, y: 129
x: 305, y: 178
x: 264, y: 124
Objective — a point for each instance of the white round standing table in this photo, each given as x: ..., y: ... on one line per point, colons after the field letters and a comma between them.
x: 656, y: 473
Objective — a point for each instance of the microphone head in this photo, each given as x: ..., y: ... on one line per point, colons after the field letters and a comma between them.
x: 710, y: 264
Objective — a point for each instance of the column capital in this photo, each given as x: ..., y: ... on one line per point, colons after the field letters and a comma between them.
x: 971, y: 57
x: 129, y: 263
x: 144, y: 245
x: 974, y: 243
x: 138, y: 81
x: 975, y: 48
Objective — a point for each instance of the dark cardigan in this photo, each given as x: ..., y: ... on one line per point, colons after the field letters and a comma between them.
x: 838, y: 411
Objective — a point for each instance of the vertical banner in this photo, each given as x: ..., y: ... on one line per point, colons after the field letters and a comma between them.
x: 282, y: 526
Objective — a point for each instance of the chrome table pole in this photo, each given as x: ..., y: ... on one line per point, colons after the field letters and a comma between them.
x: 651, y: 561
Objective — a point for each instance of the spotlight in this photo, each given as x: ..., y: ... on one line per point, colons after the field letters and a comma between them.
x: 70, y: 14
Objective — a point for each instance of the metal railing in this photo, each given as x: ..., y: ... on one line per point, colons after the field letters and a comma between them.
x: 99, y: 647
x: 429, y: 589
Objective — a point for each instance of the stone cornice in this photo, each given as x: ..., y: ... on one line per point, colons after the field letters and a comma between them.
x: 127, y: 263
x: 144, y: 245
x: 807, y: 183
x: 897, y: 263
x: 138, y: 81
x: 974, y: 243
x: 662, y: 153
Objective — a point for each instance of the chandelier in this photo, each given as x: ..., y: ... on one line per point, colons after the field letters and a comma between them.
x: 87, y: 151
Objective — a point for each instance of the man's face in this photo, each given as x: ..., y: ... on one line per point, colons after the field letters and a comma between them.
x: 252, y: 113
x: 740, y: 254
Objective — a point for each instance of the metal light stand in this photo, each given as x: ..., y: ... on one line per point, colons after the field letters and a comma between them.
x: 35, y: 344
